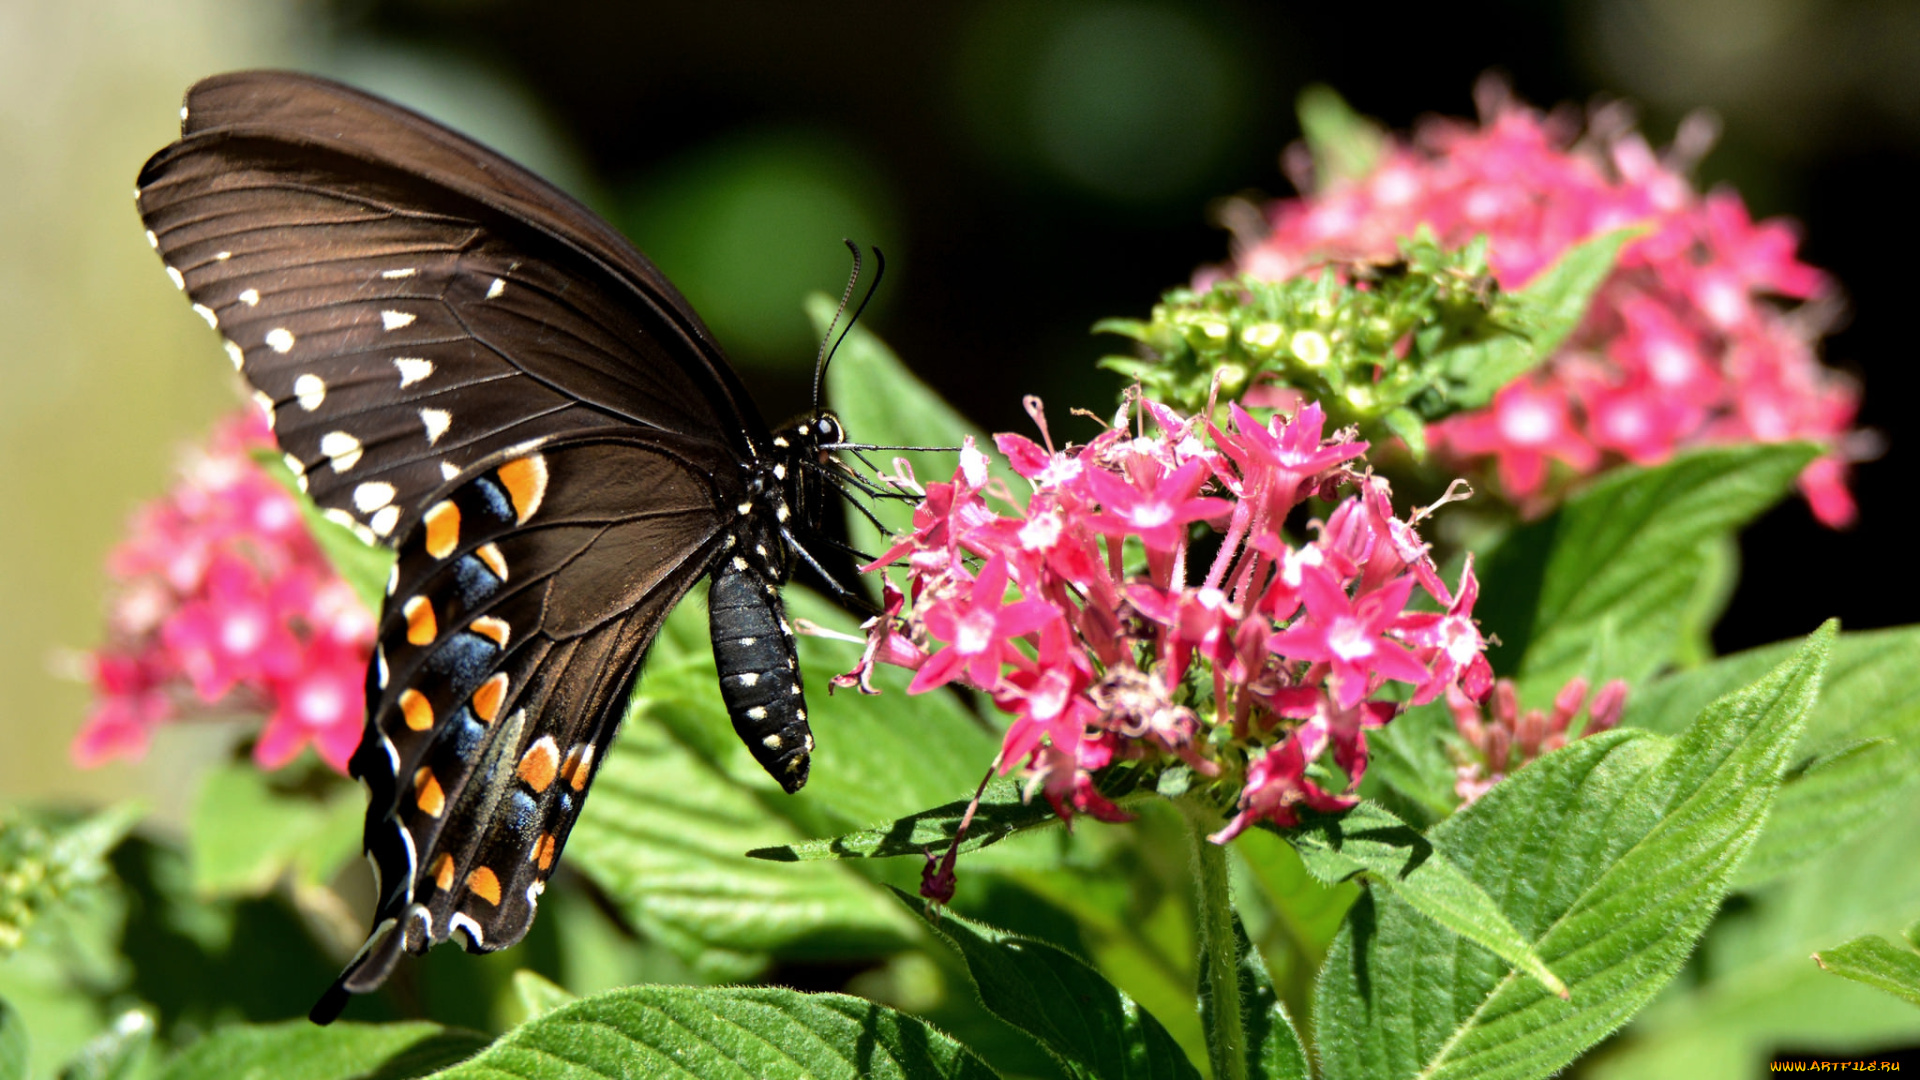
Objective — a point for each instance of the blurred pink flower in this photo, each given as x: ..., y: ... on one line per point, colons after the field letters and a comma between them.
x: 1688, y: 342
x: 223, y: 604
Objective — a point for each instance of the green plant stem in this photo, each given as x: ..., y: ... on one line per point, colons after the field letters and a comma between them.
x: 1222, y: 1015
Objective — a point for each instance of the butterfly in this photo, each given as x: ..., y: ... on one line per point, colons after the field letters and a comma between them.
x: 465, y: 364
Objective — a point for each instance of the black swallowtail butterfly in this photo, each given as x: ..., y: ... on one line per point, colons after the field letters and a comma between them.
x: 464, y: 363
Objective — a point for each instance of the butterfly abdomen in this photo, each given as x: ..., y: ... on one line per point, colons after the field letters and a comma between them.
x: 759, y: 678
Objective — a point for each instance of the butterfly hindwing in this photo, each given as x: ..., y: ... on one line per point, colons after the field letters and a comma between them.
x: 520, y: 609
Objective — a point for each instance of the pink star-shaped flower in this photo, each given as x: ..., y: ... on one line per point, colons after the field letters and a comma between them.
x: 980, y: 629
x: 1349, y: 635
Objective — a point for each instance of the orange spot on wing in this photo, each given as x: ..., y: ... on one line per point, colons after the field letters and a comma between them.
x: 543, y: 851
x: 490, y: 554
x: 443, y: 528
x: 526, y: 484
x: 578, y: 765
x: 422, y: 628
x: 484, y: 885
x: 493, y: 629
x: 415, y: 707
x: 487, y: 699
x: 443, y: 872
x: 427, y: 794
x: 539, y: 763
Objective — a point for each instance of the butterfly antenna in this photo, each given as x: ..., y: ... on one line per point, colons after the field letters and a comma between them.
x: 826, y: 354
x: 827, y: 342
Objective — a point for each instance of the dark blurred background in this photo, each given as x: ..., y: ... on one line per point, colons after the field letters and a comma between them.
x: 1029, y: 168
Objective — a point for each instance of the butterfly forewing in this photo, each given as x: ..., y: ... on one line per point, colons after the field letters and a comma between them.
x: 397, y: 330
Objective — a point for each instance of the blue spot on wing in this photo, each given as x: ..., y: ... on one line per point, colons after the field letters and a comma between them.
x: 473, y: 582
x: 522, y: 816
x: 493, y: 499
x: 460, y: 735
x: 465, y: 658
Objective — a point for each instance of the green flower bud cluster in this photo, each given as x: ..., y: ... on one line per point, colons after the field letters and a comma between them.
x: 44, y: 859
x: 1373, y: 343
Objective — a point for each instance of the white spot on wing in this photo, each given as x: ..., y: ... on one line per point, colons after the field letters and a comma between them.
x: 436, y: 422
x: 406, y: 838
x: 393, y: 579
x: 462, y: 923
x: 266, y: 406
x: 295, y: 465
x: 373, y: 495
x: 222, y: 256
x: 206, y: 313
x: 174, y: 276
x: 310, y: 390
x: 343, y: 448
x: 494, y: 290
x: 394, y: 320
x: 280, y: 339
x: 384, y: 521
x: 758, y: 712
x: 339, y: 517
x: 234, y: 354
x: 412, y: 369
x: 152, y: 240
x: 448, y: 470
x: 251, y: 297
x: 380, y: 662
x: 395, y: 275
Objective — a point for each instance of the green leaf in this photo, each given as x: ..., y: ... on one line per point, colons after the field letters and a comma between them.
x: 663, y: 836
x: 1611, y: 854
x: 1345, y: 144
x: 1001, y: 814
x: 297, y: 1050
x: 1878, y: 963
x: 732, y: 1032
x: 1089, y: 1027
x: 1549, y: 308
x: 243, y: 833
x: 360, y: 564
x: 122, y: 1053
x: 1860, y: 754
x: 1834, y: 797
x: 1618, y: 562
x: 538, y: 994
x: 1749, y: 990
x: 14, y: 1047
x: 1369, y: 839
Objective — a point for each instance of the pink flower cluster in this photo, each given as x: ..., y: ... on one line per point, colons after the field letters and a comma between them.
x: 1681, y: 346
x: 1500, y: 738
x: 225, y: 604
x: 1105, y: 651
